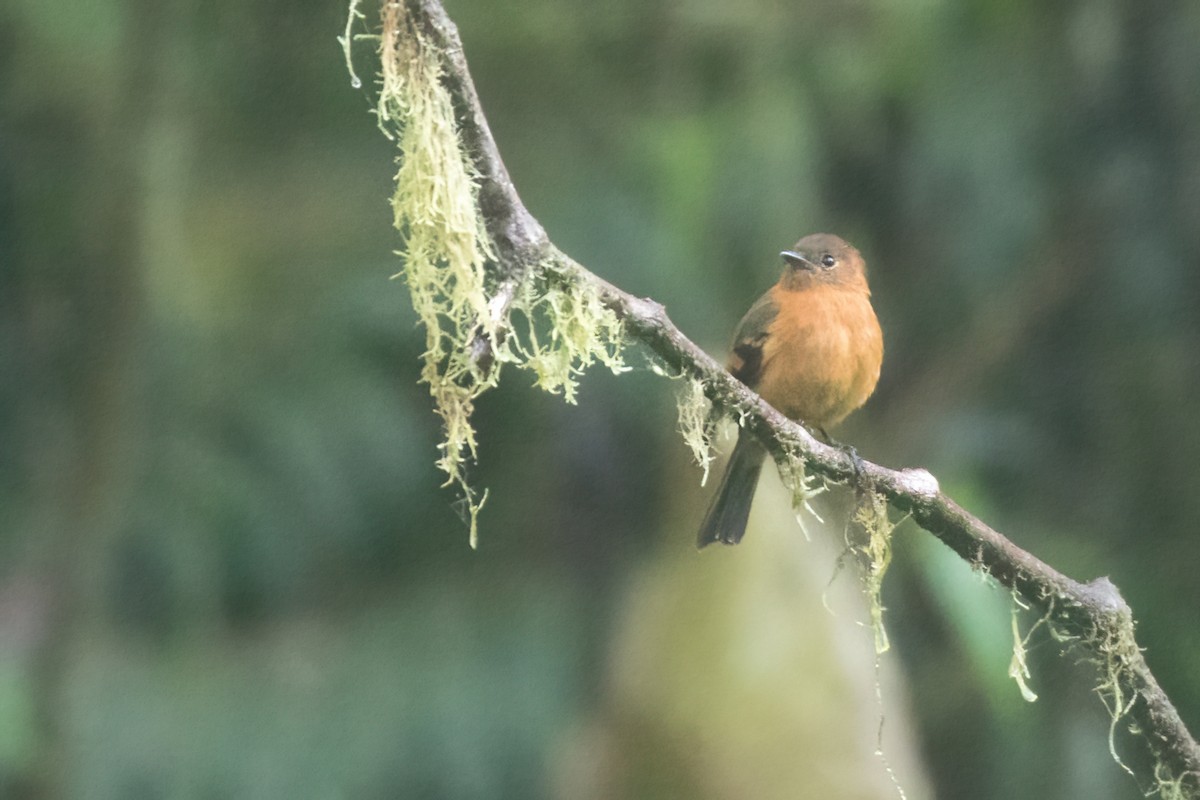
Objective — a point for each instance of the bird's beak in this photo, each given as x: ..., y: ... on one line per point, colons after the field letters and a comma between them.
x: 797, y: 260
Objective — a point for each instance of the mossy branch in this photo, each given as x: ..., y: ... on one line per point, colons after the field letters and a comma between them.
x: 518, y: 251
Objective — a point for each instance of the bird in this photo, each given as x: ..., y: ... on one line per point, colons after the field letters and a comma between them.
x: 812, y: 348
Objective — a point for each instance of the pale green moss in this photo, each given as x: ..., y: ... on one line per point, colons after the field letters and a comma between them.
x: 1167, y: 786
x: 803, y: 488
x: 448, y: 257
x: 880, y: 753
x: 567, y: 330
x: 346, y: 40
x: 1018, y: 667
x: 445, y: 246
x: 876, y: 554
x: 696, y: 423
x: 1116, y: 649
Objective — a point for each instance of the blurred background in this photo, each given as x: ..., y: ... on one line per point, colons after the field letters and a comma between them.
x: 226, y: 567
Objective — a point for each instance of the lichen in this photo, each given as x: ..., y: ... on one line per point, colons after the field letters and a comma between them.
x: 696, y: 423
x: 1167, y: 786
x: 568, y: 329
x: 876, y: 555
x: 1116, y: 647
x: 449, y: 260
x: 445, y: 247
x: 347, y: 39
x: 1018, y: 667
x: 1112, y: 649
x: 803, y: 488
x: 880, y: 753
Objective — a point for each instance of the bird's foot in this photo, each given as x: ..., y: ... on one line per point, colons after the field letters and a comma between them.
x: 862, y: 481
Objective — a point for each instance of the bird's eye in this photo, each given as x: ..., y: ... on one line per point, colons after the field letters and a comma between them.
x: 828, y: 260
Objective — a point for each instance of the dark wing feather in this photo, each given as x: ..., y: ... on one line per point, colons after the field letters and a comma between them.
x: 745, y: 363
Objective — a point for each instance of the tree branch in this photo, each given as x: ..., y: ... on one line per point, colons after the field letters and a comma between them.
x: 1093, y: 614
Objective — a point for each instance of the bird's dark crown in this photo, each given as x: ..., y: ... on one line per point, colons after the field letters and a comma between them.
x: 822, y: 258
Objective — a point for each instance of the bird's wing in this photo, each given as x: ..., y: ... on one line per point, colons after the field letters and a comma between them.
x: 745, y: 363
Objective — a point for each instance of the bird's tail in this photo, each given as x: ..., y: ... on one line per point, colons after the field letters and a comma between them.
x: 726, y: 518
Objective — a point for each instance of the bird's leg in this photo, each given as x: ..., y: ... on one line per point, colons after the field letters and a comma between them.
x: 861, y: 480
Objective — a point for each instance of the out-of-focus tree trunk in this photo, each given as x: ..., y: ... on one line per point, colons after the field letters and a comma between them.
x: 84, y: 463
x: 796, y: 716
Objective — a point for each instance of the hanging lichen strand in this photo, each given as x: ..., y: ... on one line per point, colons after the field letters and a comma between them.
x: 446, y: 252
x: 568, y: 328
x: 696, y: 423
x: 445, y: 245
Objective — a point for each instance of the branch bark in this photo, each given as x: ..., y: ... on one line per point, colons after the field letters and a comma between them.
x: 1094, y: 613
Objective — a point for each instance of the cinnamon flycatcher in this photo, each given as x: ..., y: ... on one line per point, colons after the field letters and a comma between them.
x: 811, y: 347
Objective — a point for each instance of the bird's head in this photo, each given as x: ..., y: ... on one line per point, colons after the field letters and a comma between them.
x: 822, y: 258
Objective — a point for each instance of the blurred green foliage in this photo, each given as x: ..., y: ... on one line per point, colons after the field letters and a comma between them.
x: 227, y: 569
